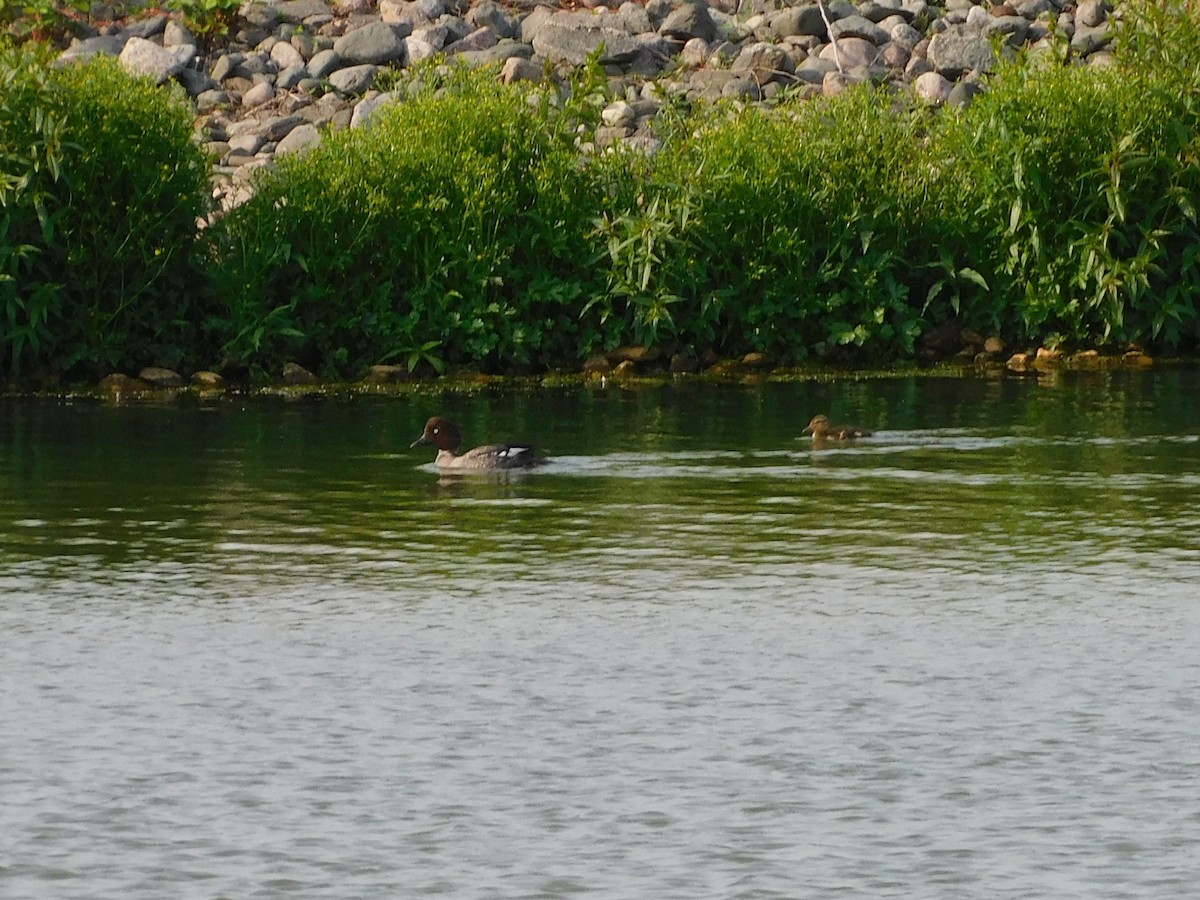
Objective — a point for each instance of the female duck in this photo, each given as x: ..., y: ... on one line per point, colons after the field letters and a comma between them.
x: 446, y: 436
x: 821, y: 430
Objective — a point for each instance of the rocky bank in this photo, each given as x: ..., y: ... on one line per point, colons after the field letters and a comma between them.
x: 291, y: 70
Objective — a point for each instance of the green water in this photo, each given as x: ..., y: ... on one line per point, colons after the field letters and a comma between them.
x: 256, y: 648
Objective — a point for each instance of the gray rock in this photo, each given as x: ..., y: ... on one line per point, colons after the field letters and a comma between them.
x: 858, y: 27
x: 279, y: 127
x: 695, y: 53
x: 489, y: 14
x: 878, y: 10
x: 851, y: 52
x: 207, y: 101
x: 574, y: 45
x: 533, y: 23
x: 933, y: 88
x: 208, y: 381
x: 366, y: 109
x: 261, y: 93
x: 906, y: 36
x: 285, y: 56
x: 690, y: 20
x: 158, y: 377
x: 798, y: 20
x: 763, y: 62
x: 146, y: 28
x: 1091, y: 13
x: 354, y: 79
x: 195, y: 82
x: 225, y: 66
x: 480, y: 39
x: 517, y: 69
x: 619, y: 115
x: 634, y: 18
x: 371, y: 45
x: 298, y: 139
x: 1087, y: 40
x: 323, y: 63
x: 741, y: 89
x: 1014, y: 28
x: 106, y: 45
x: 963, y: 93
x: 143, y: 57
x: 496, y: 55
x: 299, y: 10
x: 958, y: 50
x: 290, y: 77
x: 249, y: 143
x: 814, y: 69
x: 176, y: 34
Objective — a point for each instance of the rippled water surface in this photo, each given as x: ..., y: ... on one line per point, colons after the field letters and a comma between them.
x: 259, y: 649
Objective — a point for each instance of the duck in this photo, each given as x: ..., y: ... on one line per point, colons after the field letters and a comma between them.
x: 447, y: 437
x: 821, y: 430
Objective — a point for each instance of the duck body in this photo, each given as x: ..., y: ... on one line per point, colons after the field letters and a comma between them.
x: 447, y: 437
x: 822, y: 430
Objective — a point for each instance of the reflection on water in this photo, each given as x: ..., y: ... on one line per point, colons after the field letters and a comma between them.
x: 267, y: 650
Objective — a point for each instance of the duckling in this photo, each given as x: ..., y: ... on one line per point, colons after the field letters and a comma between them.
x: 821, y: 430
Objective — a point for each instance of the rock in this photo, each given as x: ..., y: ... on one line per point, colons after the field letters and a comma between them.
x: 763, y: 62
x: 619, y: 115
x: 323, y: 63
x: 932, y: 88
x: 206, y: 380
x: 195, y: 82
x: 299, y: 138
x: 488, y: 14
x: 1013, y: 28
x: 1088, y: 40
x: 944, y: 339
x: 118, y: 384
x: 963, y: 93
x: 299, y: 10
x: 176, y: 34
x: 597, y: 364
x: 366, y: 108
x: 1091, y: 13
x: 286, y: 56
x: 146, y: 28
x: 684, y: 364
x: 757, y: 362
x: 574, y: 46
x: 294, y: 373
x: 517, y: 69
x: 851, y: 52
x: 160, y: 378
x: 858, y: 27
x: 695, y: 53
x: 143, y: 57
x: 479, y: 39
x: 1021, y: 363
x: 370, y: 45
x: 993, y: 345
x: 798, y: 20
x: 689, y: 20
x: 1085, y: 359
x: 626, y: 369
x: 353, y: 80
x: 959, y: 50
x: 279, y: 127
x: 1137, y: 359
x: 261, y: 93
x: 106, y: 45
x: 383, y: 374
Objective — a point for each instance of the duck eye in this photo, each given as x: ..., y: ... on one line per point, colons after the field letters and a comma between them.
x: 436, y: 430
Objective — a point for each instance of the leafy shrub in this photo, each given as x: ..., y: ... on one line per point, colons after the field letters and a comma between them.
x: 1073, y: 196
x: 453, y: 228
x: 101, y: 187
x: 782, y: 231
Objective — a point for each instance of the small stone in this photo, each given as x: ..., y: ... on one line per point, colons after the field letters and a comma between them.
x: 625, y: 369
x: 143, y: 57
x: 383, y: 374
x: 299, y: 138
x: 597, y: 364
x: 757, y: 361
x: 261, y: 93
x: 160, y: 378
x: 1020, y: 363
x: 294, y: 373
x: 993, y: 344
x: 933, y: 88
x: 354, y: 80
x: 209, y: 381
x: 118, y: 383
x: 517, y: 69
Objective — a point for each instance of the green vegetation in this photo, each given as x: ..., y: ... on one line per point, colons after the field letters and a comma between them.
x: 465, y: 227
x: 101, y: 186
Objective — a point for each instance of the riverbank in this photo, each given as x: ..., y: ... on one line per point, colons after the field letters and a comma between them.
x: 509, y: 226
x: 287, y: 71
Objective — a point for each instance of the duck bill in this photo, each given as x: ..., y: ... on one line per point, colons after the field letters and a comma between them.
x: 807, y: 429
x: 420, y: 442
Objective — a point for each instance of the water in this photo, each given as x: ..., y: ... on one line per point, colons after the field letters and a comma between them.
x: 261, y: 649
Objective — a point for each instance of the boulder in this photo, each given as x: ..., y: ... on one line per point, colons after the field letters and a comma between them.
x: 372, y: 44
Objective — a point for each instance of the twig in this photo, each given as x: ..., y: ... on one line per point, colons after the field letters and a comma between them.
x: 837, y: 57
